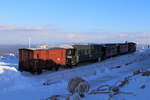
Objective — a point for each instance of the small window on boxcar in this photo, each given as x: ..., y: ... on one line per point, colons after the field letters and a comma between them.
x: 69, y: 52
x: 82, y: 52
x: 73, y: 51
x: 86, y: 52
x: 79, y: 52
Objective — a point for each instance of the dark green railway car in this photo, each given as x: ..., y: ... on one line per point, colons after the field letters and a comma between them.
x: 82, y: 53
x: 89, y: 52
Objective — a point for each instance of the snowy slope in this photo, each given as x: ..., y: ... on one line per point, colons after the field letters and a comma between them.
x: 137, y: 88
x: 24, y: 86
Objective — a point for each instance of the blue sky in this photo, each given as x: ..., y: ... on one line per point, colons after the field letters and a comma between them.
x: 55, y: 21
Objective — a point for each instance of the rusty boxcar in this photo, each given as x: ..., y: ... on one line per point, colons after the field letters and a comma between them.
x: 34, y: 60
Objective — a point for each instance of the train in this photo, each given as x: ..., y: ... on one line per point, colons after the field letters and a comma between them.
x: 35, y: 60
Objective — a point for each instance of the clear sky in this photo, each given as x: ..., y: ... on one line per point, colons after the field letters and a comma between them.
x: 58, y: 21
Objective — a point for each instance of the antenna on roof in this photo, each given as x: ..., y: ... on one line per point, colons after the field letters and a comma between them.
x: 29, y: 40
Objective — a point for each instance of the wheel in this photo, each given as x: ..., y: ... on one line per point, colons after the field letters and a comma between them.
x: 76, y: 64
x: 32, y: 70
x: 39, y: 71
x: 99, y: 59
x: 56, y: 68
x: 20, y: 69
x: 70, y: 66
x: 49, y: 68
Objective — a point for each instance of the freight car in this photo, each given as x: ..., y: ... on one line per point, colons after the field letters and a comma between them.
x: 131, y: 47
x: 90, y: 52
x: 123, y: 48
x: 109, y: 50
x: 37, y: 59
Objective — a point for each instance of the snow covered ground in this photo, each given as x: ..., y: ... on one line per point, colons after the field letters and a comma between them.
x: 15, y: 85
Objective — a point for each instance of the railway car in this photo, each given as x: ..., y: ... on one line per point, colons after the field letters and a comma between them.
x: 131, y: 47
x: 35, y: 60
x: 84, y: 53
x: 96, y: 51
x: 110, y: 50
x: 122, y: 48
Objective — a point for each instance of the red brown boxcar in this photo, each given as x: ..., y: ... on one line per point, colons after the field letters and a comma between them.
x: 34, y: 60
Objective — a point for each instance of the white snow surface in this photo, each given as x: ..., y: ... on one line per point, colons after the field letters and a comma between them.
x: 15, y: 85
